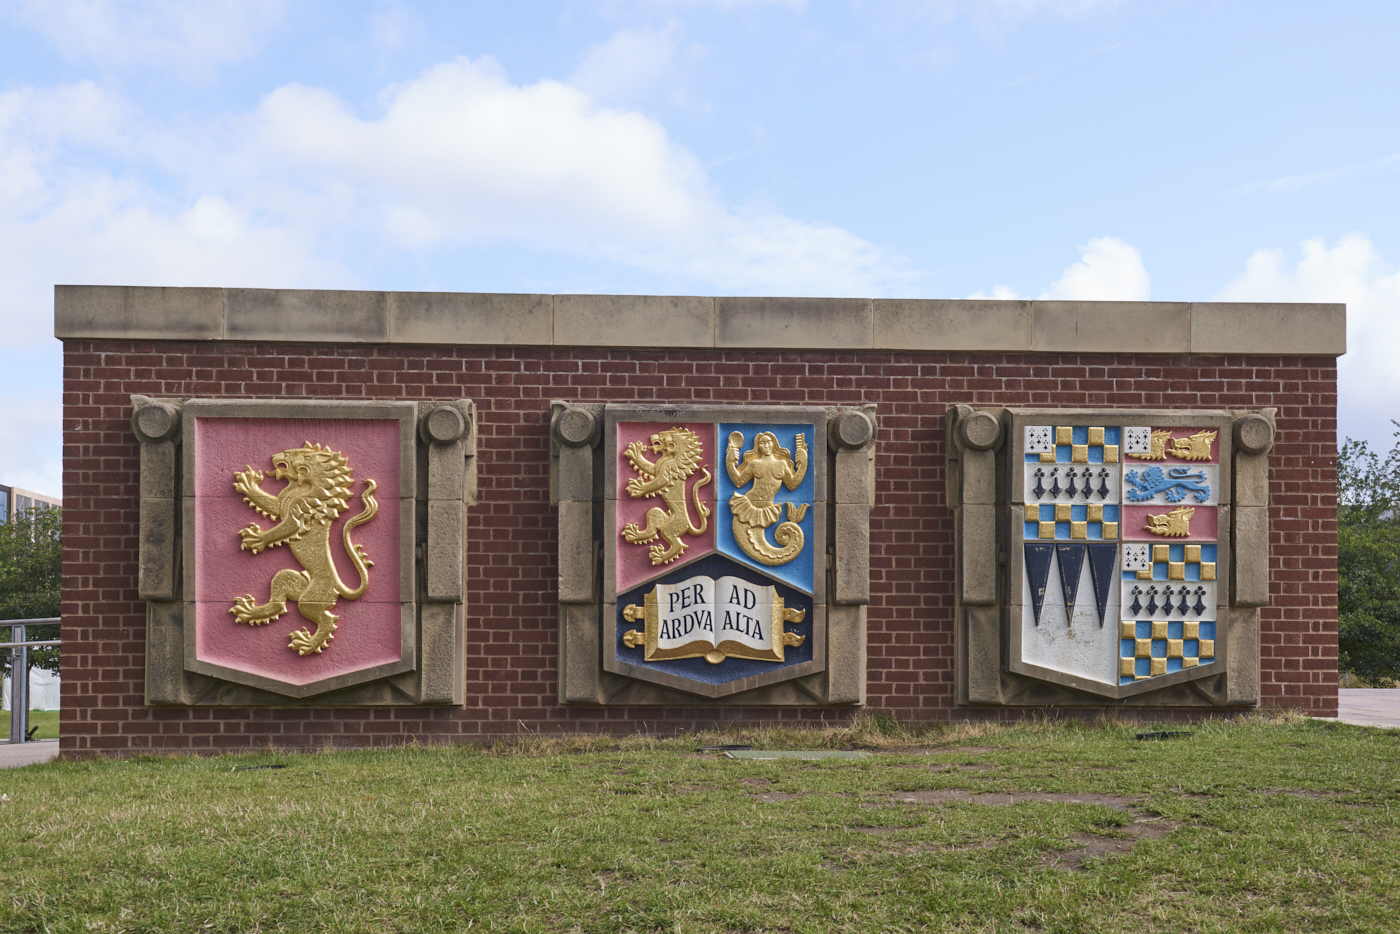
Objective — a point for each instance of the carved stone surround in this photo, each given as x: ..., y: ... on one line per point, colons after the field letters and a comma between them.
x: 995, y: 508
x: 436, y: 453
x: 583, y: 483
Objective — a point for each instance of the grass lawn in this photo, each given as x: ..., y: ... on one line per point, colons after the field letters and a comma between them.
x: 45, y: 720
x: 1260, y: 824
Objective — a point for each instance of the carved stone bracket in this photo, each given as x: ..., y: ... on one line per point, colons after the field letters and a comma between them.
x: 851, y: 435
x: 974, y: 438
x: 1249, y: 571
x: 449, y: 431
x: 575, y: 429
x: 156, y: 423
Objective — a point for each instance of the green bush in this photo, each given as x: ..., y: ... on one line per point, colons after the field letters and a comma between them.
x: 1368, y: 561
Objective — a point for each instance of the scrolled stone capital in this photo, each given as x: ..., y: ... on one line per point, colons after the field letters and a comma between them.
x: 574, y: 427
x: 850, y: 430
x: 444, y: 425
x: 154, y: 420
x: 980, y: 431
x: 1254, y: 434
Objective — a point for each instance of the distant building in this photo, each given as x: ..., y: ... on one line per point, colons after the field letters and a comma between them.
x: 43, y: 690
x: 14, y: 501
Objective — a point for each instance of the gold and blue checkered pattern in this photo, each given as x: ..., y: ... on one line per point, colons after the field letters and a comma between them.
x: 1159, y: 647
x: 1081, y: 444
x: 1092, y: 522
x: 1181, y: 563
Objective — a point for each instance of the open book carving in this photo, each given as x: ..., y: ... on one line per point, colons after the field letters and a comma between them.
x: 714, y: 618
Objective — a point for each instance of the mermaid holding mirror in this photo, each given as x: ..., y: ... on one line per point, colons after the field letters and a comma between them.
x: 768, y: 466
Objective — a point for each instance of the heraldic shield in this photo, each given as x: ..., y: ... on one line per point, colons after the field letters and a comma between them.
x: 714, y: 548
x: 297, y: 536
x: 1120, y: 547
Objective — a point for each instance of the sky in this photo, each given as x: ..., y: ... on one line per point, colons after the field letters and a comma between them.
x: 1166, y: 150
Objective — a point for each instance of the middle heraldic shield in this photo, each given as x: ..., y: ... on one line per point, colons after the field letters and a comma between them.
x: 714, y: 554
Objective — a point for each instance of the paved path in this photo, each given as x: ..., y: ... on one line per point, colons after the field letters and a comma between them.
x: 1369, y: 706
x: 17, y: 754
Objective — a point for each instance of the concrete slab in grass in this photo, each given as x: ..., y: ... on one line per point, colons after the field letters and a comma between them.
x: 934, y: 325
x: 793, y: 323
x: 471, y: 318
x: 634, y: 321
x: 1308, y: 329
x: 795, y: 754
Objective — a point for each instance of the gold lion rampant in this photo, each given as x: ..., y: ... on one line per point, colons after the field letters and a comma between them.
x: 317, y: 491
x: 1193, y: 447
x: 680, y: 451
x: 1174, y: 524
x: 769, y: 466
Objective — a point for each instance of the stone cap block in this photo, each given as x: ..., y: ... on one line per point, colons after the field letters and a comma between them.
x: 1305, y: 329
x: 138, y: 312
x: 914, y: 324
x: 306, y: 315
x: 470, y: 318
x: 634, y: 321
x: 794, y: 323
x: 650, y: 322
x: 1111, y: 327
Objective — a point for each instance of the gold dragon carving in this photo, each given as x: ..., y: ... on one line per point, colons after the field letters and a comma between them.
x: 1193, y: 447
x: 679, y: 451
x: 317, y: 492
x: 1174, y: 524
x: 769, y: 466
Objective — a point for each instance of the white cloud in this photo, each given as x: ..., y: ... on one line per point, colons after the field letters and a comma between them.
x: 463, y: 155
x: 1003, y: 293
x: 628, y: 65
x: 64, y: 220
x: 191, y: 38
x: 1351, y: 272
x: 30, y: 446
x: 1108, y: 270
x: 458, y: 156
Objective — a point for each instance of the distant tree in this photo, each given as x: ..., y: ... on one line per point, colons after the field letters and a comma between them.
x: 1368, y: 561
x: 31, y: 570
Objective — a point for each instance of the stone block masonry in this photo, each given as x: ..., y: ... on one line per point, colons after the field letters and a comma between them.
x: 511, y: 562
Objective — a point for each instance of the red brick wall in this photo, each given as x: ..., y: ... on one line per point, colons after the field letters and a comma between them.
x: 512, y: 622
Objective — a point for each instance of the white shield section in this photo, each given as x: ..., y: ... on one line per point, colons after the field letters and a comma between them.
x: 1078, y: 646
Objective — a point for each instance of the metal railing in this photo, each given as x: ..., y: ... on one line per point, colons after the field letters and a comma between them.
x: 19, y: 671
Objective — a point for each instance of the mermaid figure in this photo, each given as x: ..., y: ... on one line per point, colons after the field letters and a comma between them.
x: 769, y: 466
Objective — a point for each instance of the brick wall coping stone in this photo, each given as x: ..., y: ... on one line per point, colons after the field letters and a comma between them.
x: 698, y: 322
